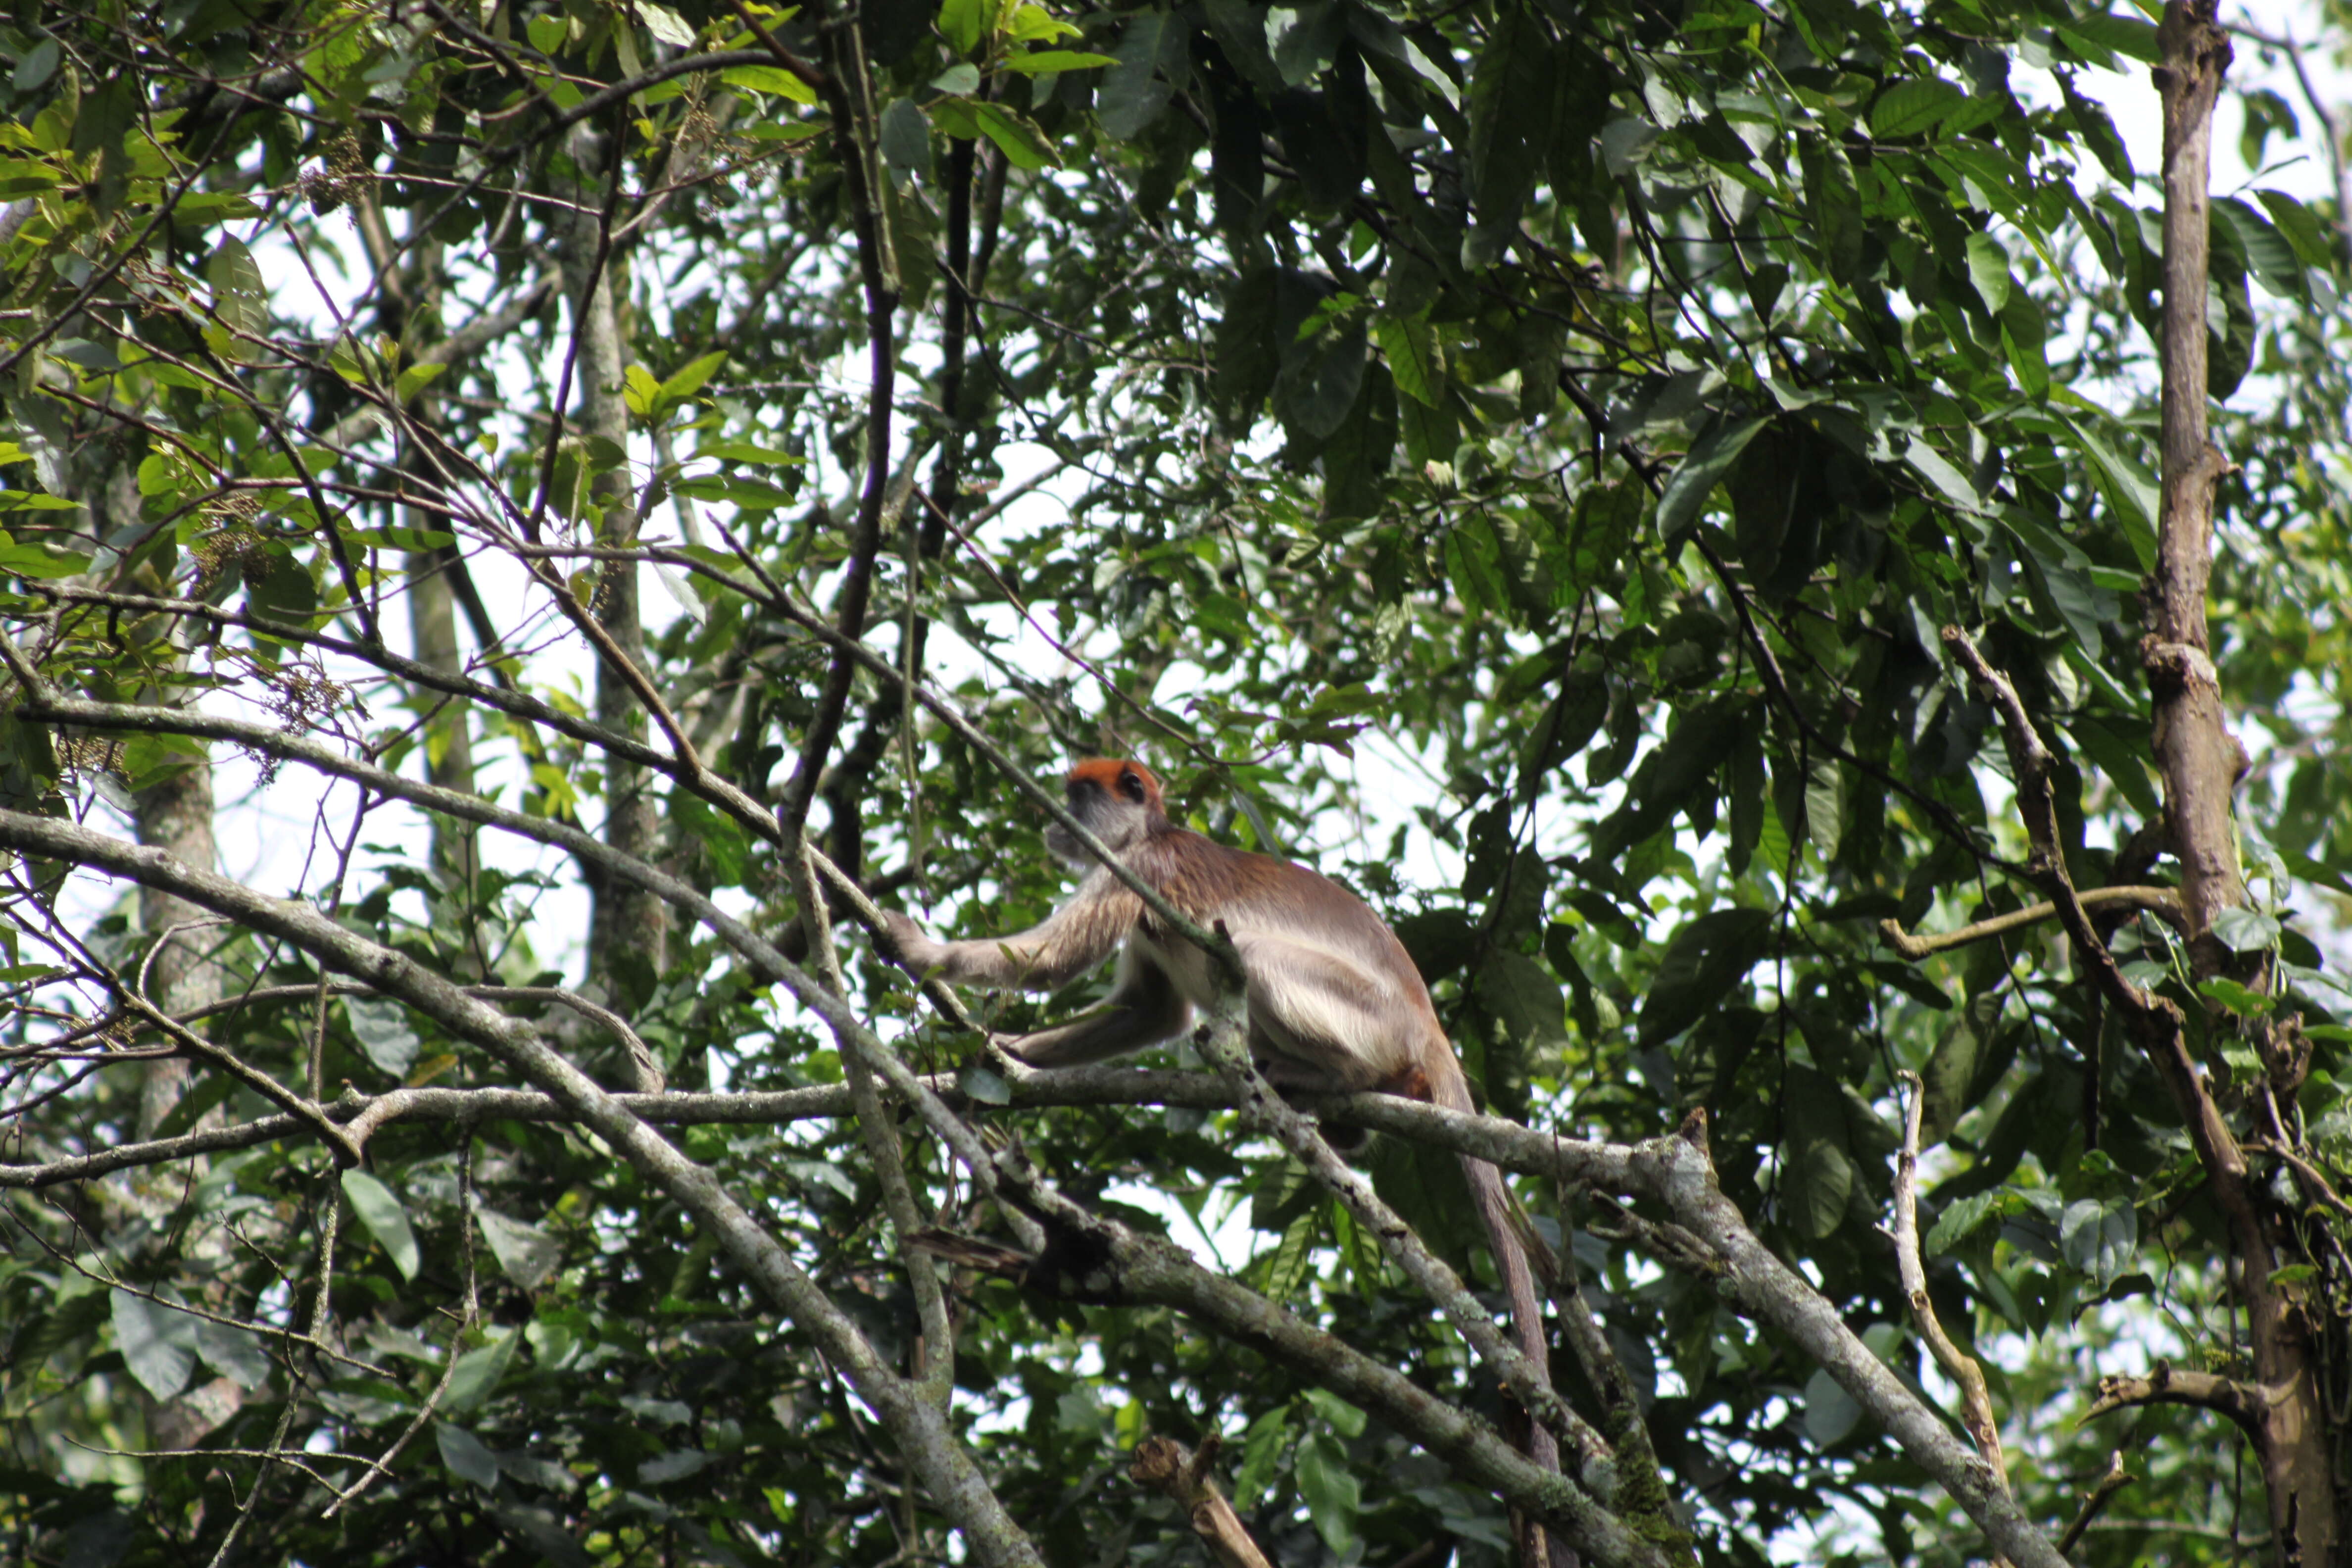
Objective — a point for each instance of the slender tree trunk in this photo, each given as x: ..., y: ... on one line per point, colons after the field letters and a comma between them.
x: 432, y: 599
x: 2200, y: 762
x: 626, y: 920
x: 2197, y: 756
x: 177, y: 945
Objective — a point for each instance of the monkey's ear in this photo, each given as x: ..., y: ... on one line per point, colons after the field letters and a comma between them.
x: 1131, y: 784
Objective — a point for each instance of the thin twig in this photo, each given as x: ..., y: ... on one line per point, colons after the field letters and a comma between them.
x: 1975, y: 1402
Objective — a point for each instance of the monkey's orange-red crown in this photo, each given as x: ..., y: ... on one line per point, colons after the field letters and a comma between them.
x: 1118, y: 778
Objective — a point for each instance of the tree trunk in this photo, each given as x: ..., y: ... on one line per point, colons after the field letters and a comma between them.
x: 626, y: 920
x: 2200, y: 762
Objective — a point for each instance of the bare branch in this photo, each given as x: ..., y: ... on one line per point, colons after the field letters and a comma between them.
x: 2109, y: 1484
x: 2167, y: 1385
x: 1164, y: 1465
x: 2164, y: 902
x: 1976, y: 1403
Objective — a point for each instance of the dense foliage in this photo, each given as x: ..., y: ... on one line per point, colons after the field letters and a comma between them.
x: 1519, y: 456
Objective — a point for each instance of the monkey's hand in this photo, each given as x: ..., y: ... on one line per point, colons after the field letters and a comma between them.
x: 913, y: 945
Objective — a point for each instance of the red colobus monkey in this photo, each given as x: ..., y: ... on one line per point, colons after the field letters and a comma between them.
x: 1335, y: 1004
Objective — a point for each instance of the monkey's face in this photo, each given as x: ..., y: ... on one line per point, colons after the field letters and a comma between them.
x: 1117, y: 801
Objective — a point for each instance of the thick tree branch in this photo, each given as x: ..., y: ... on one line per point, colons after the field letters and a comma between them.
x: 2166, y: 1384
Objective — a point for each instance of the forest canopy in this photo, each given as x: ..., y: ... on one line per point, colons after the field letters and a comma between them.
x: 1801, y: 574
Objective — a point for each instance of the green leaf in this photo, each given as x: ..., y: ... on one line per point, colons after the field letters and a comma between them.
x: 1017, y: 137
x: 547, y: 33
x: 959, y: 80
x: 1825, y: 807
x: 279, y: 587
x: 1134, y: 92
x: 2268, y: 253
x: 1047, y: 62
x: 382, y: 1027
x: 1472, y: 568
x: 38, y: 560
x: 752, y: 495
x: 466, y: 1455
x: 36, y: 66
x: 1702, y: 469
x: 1819, y: 1174
x: 2242, y: 929
x: 526, y: 1253
x: 771, y: 80
x: 745, y: 452
x: 962, y: 21
x: 691, y: 377
x: 478, y: 1371
x: 379, y: 1210
x: 2243, y: 999
x: 157, y: 1344
x: 2301, y: 228
x: 240, y: 298
x: 1328, y: 1486
x: 640, y: 391
x: 1261, y: 1452
x: 1938, y: 470
x: 1525, y: 999
x: 2099, y: 1236
x: 906, y: 138
x: 2126, y: 35
x: 1914, y: 107
x: 417, y: 377
x: 1835, y: 204
x: 1031, y: 24
x: 1342, y: 1417
x: 2120, y: 762
x: 1968, y: 1063
x: 2127, y: 486
x: 1415, y: 361
x: 235, y: 1353
x: 1961, y: 1219
x: 1830, y: 1413
x: 1989, y: 270
x: 1700, y: 965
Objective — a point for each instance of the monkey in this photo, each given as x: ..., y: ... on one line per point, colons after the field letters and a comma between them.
x: 1335, y: 1004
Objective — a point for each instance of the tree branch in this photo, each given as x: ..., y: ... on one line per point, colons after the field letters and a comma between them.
x: 1975, y: 1402
x: 1163, y: 1464
x: 2163, y: 901
x: 2166, y: 1384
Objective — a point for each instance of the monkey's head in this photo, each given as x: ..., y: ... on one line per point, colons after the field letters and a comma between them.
x: 1119, y: 800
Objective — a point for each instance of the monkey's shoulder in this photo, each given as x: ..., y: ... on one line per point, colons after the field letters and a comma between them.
x: 1207, y: 880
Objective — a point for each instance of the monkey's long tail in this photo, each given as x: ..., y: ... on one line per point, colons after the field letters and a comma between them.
x: 1500, y: 1215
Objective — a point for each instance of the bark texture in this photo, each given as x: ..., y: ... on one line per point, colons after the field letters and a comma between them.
x: 626, y: 920
x: 2200, y: 763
